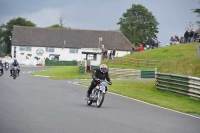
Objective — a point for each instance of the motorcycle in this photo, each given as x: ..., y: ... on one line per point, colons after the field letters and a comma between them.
x: 14, y: 72
x: 98, y: 94
x: 6, y: 66
x: 0, y: 70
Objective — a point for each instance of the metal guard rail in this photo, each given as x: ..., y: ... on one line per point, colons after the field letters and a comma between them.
x: 185, y: 85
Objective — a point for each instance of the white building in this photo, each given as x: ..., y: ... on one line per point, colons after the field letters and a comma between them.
x: 30, y: 43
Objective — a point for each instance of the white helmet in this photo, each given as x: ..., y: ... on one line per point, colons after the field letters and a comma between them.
x: 103, y: 68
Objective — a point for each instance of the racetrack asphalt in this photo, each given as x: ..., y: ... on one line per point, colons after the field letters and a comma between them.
x: 31, y: 104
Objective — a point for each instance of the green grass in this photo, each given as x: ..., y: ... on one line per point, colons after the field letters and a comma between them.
x: 147, y: 92
x: 178, y: 59
x: 63, y: 72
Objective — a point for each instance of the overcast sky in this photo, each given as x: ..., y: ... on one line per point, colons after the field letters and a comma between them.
x: 173, y: 15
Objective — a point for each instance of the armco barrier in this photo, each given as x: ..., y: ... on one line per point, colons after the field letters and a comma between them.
x: 94, y: 67
x: 125, y: 72
x: 189, y: 86
x: 60, y: 63
x: 147, y: 74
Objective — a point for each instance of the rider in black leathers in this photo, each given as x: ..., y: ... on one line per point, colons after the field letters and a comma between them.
x: 1, y: 64
x: 15, y: 63
x: 98, y: 75
x: 6, y: 63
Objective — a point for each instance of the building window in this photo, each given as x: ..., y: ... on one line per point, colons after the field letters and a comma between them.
x: 73, y: 51
x: 24, y: 48
x: 92, y: 56
x: 48, y: 49
x: 28, y: 48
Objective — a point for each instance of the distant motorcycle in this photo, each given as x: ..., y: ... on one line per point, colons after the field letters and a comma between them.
x: 14, y: 72
x: 0, y: 71
x: 98, y: 94
x: 6, y: 66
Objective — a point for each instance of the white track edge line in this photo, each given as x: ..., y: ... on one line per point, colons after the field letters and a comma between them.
x: 148, y: 103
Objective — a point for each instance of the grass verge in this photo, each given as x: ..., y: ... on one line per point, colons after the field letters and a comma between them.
x: 178, y: 59
x: 63, y: 72
x: 146, y: 91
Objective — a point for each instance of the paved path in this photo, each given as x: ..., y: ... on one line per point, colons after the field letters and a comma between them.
x: 32, y: 104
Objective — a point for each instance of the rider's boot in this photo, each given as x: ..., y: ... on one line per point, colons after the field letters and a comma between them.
x: 87, y: 96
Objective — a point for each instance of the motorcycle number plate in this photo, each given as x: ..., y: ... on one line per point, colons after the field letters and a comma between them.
x: 102, y: 88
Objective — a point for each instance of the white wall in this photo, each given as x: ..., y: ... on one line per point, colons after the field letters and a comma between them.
x: 64, y: 55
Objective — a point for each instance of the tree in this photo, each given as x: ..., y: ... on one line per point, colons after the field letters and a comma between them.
x: 138, y: 24
x: 61, y: 21
x: 198, y: 12
x: 7, y: 33
x: 1, y: 34
x: 56, y: 26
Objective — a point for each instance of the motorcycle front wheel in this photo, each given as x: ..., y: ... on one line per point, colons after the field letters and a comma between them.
x: 14, y: 75
x: 100, y: 98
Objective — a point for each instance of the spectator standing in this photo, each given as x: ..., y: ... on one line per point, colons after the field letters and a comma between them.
x: 102, y: 53
x: 186, y: 36
x: 113, y: 53
x: 132, y: 49
x: 140, y: 48
x: 173, y: 40
x: 177, y: 39
x: 144, y: 44
x: 157, y: 42
x: 110, y: 55
x: 191, y: 36
x: 195, y: 37
x: 182, y: 39
x: 105, y: 53
x: 148, y: 47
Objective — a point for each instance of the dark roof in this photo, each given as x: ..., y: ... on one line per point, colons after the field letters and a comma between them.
x: 54, y: 37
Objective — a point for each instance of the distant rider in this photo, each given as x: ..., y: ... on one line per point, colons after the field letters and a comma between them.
x: 15, y: 64
x: 1, y: 64
x: 98, y: 75
x: 6, y: 63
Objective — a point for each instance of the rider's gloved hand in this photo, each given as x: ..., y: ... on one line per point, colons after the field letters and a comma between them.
x: 98, y: 80
x: 110, y: 83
